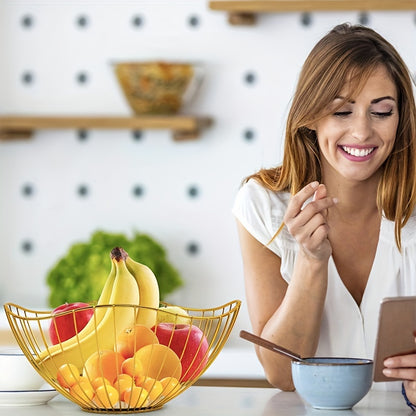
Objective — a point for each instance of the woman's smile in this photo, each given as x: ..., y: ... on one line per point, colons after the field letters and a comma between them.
x: 357, y: 153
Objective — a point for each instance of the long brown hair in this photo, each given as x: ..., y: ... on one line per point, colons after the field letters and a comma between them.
x: 353, y: 53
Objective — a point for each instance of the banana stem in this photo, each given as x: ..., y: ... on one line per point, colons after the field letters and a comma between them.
x: 118, y: 254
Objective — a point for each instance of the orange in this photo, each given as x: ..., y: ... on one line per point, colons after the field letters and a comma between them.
x: 100, y: 381
x: 106, y: 396
x: 123, y: 382
x: 82, y: 390
x: 170, y: 385
x: 68, y: 375
x: 106, y: 363
x: 134, y: 368
x: 134, y: 338
x: 154, y: 387
x: 159, y: 361
x: 136, y: 397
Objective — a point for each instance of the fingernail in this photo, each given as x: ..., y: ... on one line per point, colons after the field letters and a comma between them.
x: 386, y: 371
x: 388, y: 362
x: 314, y: 184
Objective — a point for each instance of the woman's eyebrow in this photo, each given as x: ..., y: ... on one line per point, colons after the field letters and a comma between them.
x: 387, y: 97
x: 375, y: 101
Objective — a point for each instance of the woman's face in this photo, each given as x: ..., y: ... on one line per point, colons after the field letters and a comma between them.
x: 357, y: 138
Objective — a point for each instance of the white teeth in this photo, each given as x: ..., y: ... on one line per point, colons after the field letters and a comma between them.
x: 357, y: 152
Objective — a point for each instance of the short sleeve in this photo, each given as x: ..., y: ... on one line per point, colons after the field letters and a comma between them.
x: 261, y: 213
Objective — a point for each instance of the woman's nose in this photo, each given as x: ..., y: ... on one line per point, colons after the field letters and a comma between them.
x: 361, y: 127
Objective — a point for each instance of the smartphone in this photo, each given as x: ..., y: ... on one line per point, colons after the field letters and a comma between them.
x: 396, y: 332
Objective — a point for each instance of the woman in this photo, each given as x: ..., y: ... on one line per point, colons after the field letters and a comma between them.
x: 332, y: 231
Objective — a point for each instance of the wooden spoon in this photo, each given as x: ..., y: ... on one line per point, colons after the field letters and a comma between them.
x: 270, y: 345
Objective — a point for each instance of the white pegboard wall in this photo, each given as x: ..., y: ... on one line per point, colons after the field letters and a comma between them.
x: 60, y: 186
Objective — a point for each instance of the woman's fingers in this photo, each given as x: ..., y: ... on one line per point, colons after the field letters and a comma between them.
x: 307, y: 221
x: 299, y: 215
x: 401, y: 366
x: 399, y: 361
x: 320, y: 192
x: 298, y: 200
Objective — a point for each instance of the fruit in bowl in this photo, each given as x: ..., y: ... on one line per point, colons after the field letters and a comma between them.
x: 117, y: 361
x: 189, y: 344
x: 157, y: 87
x: 71, y: 319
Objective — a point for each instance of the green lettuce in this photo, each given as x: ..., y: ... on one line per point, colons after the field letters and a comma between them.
x: 80, y: 275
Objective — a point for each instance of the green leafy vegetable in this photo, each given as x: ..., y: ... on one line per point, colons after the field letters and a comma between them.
x: 79, y: 276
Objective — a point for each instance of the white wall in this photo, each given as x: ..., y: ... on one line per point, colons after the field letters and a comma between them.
x: 54, y: 49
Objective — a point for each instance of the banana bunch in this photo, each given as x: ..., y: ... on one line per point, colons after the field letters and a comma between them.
x: 128, y: 283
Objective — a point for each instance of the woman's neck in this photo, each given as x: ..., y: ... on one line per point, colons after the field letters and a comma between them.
x: 354, y: 198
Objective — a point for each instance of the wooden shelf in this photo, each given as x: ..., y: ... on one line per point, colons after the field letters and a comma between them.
x: 243, y: 12
x: 184, y: 127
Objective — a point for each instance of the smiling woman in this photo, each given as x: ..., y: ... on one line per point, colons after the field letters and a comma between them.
x: 330, y: 232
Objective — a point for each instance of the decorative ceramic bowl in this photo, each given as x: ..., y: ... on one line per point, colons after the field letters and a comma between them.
x: 125, y: 369
x: 16, y: 373
x: 332, y: 383
x: 158, y: 87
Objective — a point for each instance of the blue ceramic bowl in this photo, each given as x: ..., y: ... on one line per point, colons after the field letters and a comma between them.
x: 332, y: 383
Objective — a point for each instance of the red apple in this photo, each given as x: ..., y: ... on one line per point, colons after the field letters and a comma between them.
x: 64, y: 327
x: 189, y: 344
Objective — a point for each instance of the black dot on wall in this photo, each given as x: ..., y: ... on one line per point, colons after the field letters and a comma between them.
x: 194, y: 21
x: 27, y: 21
x: 193, y: 191
x: 28, y: 190
x: 137, y: 21
x: 138, y: 191
x: 306, y: 19
x: 82, y: 21
x: 82, y: 135
x: 28, y: 78
x: 27, y: 246
x: 193, y: 248
x: 364, y: 19
x: 82, y: 78
x: 137, y: 135
x: 249, y: 135
x: 250, y: 78
x: 83, y: 191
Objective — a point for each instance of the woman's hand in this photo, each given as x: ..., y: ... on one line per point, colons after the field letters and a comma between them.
x: 403, y: 367
x: 308, y: 224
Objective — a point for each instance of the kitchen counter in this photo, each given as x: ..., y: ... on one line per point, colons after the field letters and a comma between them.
x: 225, y: 401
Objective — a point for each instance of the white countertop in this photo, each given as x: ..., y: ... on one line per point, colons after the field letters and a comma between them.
x: 225, y: 401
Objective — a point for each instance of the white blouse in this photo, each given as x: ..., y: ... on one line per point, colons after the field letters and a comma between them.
x: 347, y: 329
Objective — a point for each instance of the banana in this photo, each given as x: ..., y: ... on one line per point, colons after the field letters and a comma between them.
x: 149, y: 292
x: 107, y: 322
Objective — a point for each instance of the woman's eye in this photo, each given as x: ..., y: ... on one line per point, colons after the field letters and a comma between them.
x: 342, y: 113
x: 382, y: 114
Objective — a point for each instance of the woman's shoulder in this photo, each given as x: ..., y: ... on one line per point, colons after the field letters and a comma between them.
x: 260, y: 210
x: 408, y: 232
x: 256, y: 193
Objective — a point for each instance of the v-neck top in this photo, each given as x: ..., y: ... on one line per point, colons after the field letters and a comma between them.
x: 347, y: 329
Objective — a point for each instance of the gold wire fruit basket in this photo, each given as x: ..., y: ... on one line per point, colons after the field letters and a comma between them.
x: 109, y: 366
